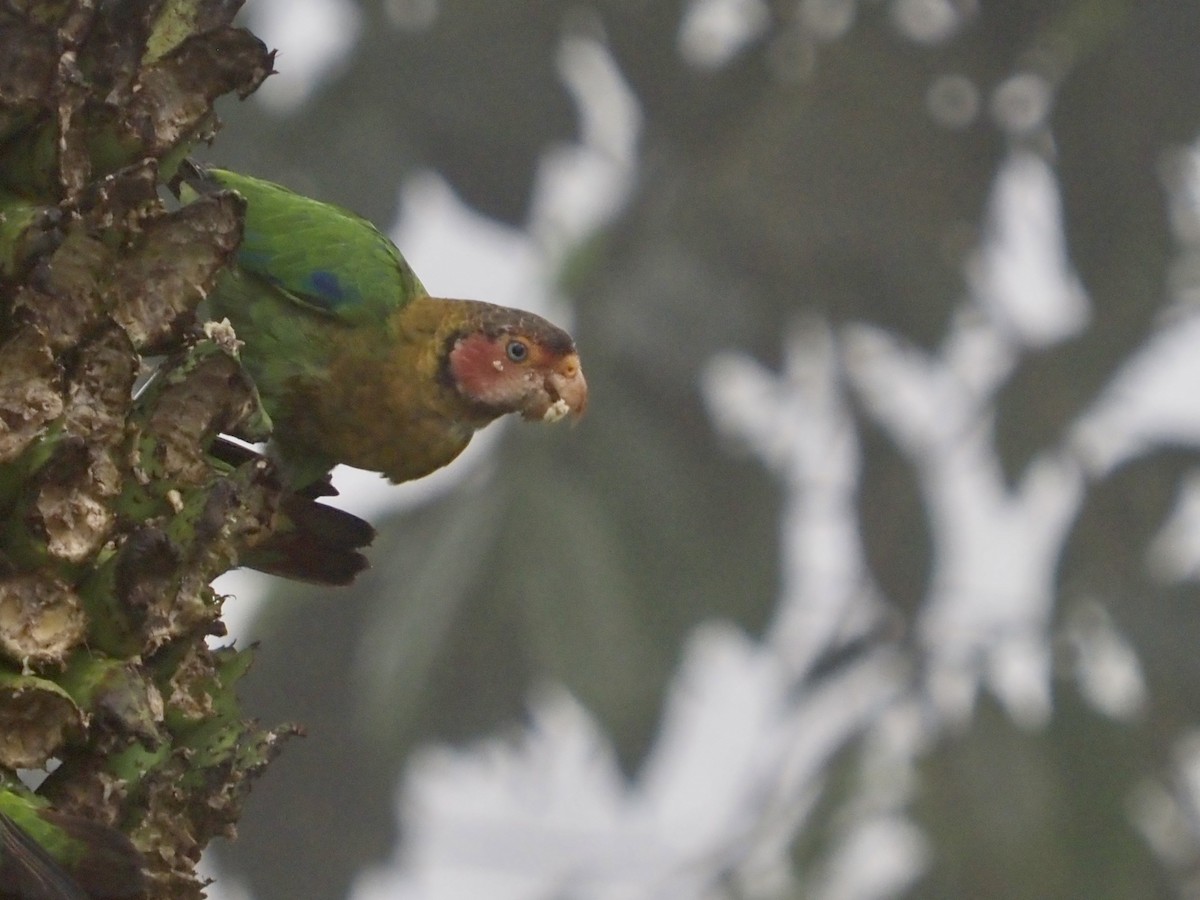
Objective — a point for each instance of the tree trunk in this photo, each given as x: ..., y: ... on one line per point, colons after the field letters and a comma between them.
x: 115, y: 517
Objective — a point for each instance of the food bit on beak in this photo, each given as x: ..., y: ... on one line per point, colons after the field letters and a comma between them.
x: 556, y: 410
x: 568, y: 383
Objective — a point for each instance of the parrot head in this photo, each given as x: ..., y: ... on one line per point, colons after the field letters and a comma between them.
x: 516, y: 362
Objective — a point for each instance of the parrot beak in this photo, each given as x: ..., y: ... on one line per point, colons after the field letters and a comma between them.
x: 567, y: 381
x: 557, y: 390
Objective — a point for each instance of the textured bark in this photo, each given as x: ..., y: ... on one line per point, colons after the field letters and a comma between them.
x: 115, y: 517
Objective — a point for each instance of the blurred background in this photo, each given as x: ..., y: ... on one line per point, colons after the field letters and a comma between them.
x: 872, y: 571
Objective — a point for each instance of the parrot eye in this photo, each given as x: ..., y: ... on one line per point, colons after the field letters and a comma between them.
x: 517, y: 351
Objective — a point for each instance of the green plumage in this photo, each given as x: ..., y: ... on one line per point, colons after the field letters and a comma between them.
x: 313, y: 299
x: 319, y: 255
x: 353, y: 359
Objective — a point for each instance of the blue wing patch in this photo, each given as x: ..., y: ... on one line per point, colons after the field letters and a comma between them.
x: 321, y: 289
x: 327, y: 286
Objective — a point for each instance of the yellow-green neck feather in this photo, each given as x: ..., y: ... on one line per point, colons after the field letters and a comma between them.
x: 384, y: 404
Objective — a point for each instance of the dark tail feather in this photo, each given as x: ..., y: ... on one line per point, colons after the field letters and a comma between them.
x: 28, y: 872
x: 110, y: 868
x: 312, y: 542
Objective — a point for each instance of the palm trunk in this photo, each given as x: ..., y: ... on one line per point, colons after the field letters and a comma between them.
x: 115, y: 517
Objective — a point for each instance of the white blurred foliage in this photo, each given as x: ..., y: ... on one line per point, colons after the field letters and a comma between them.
x: 995, y: 549
x: 1022, y: 275
x: 549, y: 811
x: 953, y: 101
x: 929, y: 21
x: 1107, y: 668
x: 896, y: 850
x: 1175, y: 554
x: 714, y: 31
x: 582, y: 186
x: 1151, y: 402
x: 1167, y: 811
x: 1022, y: 103
x: 799, y: 425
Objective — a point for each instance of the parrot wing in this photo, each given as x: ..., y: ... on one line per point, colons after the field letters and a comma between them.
x: 322, y: 257
x: 103, y: 863
x: 28, y: 871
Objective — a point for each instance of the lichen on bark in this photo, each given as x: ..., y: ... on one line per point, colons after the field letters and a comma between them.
x: 116, y: 518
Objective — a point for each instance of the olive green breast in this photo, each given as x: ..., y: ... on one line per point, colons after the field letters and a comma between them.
x: 370, y: 397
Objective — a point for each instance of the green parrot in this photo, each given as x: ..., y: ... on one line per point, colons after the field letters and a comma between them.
x: 48, y: 855
x: 354, y: 361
